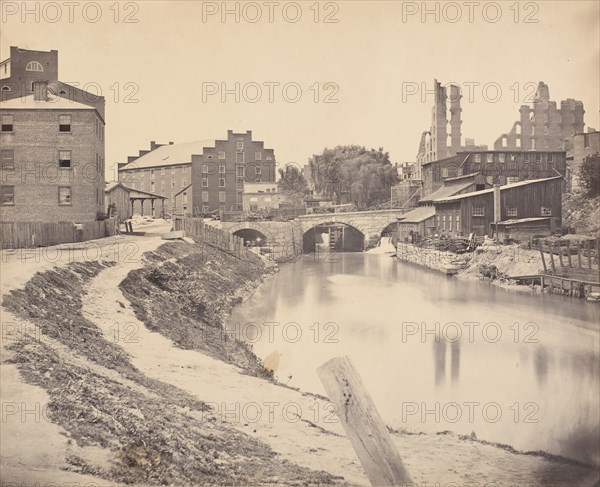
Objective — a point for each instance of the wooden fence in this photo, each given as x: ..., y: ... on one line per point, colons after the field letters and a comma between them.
x: 42, y: 234
x: 195, y: 227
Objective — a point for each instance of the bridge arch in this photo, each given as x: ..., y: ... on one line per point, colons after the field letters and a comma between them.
x: 335, y: 236
x: 255, y: 234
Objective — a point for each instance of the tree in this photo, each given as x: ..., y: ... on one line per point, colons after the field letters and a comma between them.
x: 292, y: 185
x: 353, y: 174
x: 589, y: 175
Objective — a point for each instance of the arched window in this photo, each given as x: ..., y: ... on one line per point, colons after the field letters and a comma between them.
x: 6, y: 88
x: 34, y: 66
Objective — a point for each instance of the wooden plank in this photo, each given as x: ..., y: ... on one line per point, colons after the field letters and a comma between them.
x: 560, y: 255
x: 363, y: 425
x: 569, y: 253
x: 551, y: 248
x: 579, y: 252
x: 589, y: 249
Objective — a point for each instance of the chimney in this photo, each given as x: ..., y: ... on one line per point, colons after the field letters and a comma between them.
x: 40, y: 91
x: 152, y: 145
x: 497, y: 204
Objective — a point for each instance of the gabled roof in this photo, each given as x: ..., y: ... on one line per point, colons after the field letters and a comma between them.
x: 418, y: 215
x: 491, y: 190
x: 170, y: 155
x: 54, y: 102
x: 446, y: 191
x: 133, y: 193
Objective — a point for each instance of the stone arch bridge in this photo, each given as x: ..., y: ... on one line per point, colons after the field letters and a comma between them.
x: 286, y: 237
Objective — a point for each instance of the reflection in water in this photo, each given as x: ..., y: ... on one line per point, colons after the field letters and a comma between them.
x: 546, y: 387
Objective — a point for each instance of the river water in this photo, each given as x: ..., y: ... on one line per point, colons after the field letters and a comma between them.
x: 437, y: 353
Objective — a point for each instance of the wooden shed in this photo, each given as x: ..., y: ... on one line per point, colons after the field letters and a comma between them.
x: 124, y: 198
x: 475, y: 212
x: 416, y: 224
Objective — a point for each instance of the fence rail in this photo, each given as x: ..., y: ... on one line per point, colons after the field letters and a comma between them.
x: 195, y: 227
x: 43, y: 234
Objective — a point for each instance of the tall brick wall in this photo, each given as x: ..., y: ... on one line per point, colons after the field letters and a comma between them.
x: 36, y: 177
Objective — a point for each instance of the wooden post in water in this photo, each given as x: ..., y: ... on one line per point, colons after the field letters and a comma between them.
x: 541, y: 247
x: 569, y: 253
x: 551, y: 248
x: 560, y: 254
x: 579, y: 252
x: 363, y: 425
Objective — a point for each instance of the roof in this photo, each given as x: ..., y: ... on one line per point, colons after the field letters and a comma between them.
x: 491, y: 190
x: 169, y: 155
x: 133, y: 193
x: 418, y: 215
x: 465, y: 176
x: 518, y: 221
x: 54, y: 102
x: 446, y: 191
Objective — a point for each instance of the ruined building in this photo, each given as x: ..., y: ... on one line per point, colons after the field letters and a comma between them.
x: 438, y: 143
x: 543, y: 126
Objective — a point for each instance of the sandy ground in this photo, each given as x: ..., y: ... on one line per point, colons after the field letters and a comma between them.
x: 299, y: 427
x: 32, y: 449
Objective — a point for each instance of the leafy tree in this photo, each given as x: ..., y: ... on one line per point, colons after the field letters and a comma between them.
x: 353, y: 174
x: 589, y: 175
x: 292, y: 184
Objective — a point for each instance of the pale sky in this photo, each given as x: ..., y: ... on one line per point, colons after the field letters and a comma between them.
x: 172, y: 55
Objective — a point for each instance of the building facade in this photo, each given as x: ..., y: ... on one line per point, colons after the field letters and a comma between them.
x: 543, y: 126
x: 52, y: 154
x: 260, y: 196
x: 219, y: 173
x: 497, y: 167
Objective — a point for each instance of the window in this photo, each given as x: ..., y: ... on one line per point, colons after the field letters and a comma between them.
x: 64, y: 158
x: 184, y: 169
x: 162, y: 171
x: 222, y: 169
x: 258, y: 170
x: 477, y: 158
x: 490, y: 157
x: 458, y: 223
x: 34, y: 66
x: 459, y: 171
x: 221, y: 196
x: 518, y: 142
x: 478, y: 210
x: 501, y: 157
x: 7, y: 195
x: 152, y: 185
x: 444, y: 172
x: 152, y: 174
x: 240, y: 172
x: 538, y: 157
x: 64, y: 195
x: 205, y: 182
x: 209, y: 157
x: 512, y: 179
x: 269, y: 158
x: 546, y: 211
x: 172, y: 184
x: 239, y: 157
x: 489, y: 180
x: 184, y: 208
x: 258, y: 156
x: 550, y: 158
x: 240, y: 146
x: 526, y: 157
x: 7, y: 159
x: 142, y: 174
x: 184, y: 182
x: 511, y: 211
x: 7, y: 123
x: 172, y: 170
x: 142, y: 185
x: 205, y: 168
x: 443, y: 222
x: 6, y: 88
x: 221, y: 182
x: 221, y: 154
x: 185, y: 198
x: 162, y: 185
x: 450, y: 222
x: 64, y: 123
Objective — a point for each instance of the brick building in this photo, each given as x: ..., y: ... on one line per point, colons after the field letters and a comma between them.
x: 164, y: 169
x: 543, y: 126
x: 476, y: 212
x: 52, y: 152
x: 497, y: 167
x: 220, y: 172
x: 200, y: 177
x: 584, y: 145
x: 260, y: 196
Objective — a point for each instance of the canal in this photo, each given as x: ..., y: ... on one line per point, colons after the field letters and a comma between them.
x: 436, y: 353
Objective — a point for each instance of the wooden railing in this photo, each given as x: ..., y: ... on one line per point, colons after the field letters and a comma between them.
x: 195, y: 227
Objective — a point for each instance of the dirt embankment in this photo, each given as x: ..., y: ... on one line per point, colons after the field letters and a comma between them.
x: 147, y: 431
x: 187, y: 295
